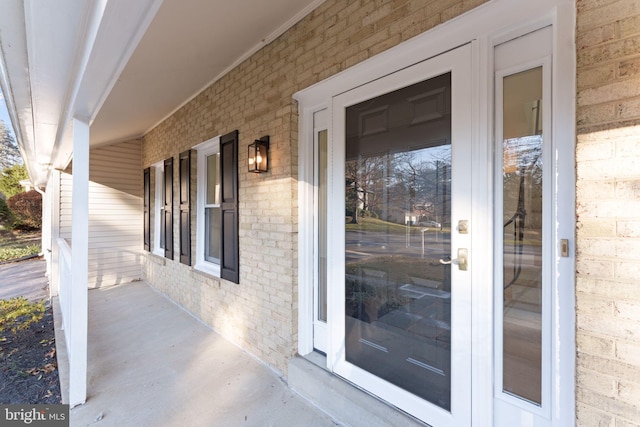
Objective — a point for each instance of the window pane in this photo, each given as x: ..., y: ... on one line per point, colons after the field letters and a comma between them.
x: 522, y: 236
x: 322, y: 225
x: 161, y: 246
x: 212, y: 235
x: 213, y: 181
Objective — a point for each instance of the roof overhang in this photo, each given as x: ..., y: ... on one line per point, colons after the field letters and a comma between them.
x: 122, y: 66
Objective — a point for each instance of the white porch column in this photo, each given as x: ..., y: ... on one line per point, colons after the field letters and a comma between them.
x: 80, y: 265
x: 45, y: 241
x: 53, y: 194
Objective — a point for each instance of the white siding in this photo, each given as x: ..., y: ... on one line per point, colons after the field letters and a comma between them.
x: 66, y: 186
x: 115, y: 214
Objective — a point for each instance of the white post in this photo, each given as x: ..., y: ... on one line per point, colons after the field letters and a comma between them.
x: 80, y: 265
x: 53, y: 192
x: 45, y: 229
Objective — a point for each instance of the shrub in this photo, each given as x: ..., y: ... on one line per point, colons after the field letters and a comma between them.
x: 27, y: 207
x: 6, y: 217
x: 10, y: 179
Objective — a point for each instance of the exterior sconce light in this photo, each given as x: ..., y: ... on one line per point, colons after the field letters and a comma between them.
x: 258, y: 155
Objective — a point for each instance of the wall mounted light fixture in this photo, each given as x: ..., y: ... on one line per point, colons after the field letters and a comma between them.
x: 258, y: 155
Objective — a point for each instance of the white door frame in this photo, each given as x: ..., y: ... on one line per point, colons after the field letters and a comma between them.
x: 320, y: 333
x: 486, y: 26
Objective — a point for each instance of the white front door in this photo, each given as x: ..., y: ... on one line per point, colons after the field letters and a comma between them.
x: 398, y: 245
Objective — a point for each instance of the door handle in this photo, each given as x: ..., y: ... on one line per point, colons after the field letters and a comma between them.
x: 462, y: 261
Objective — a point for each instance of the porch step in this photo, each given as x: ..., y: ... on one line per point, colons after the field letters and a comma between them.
x: 343, y: 401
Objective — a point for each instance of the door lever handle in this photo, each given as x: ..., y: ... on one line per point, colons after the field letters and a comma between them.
x: 462, y: 261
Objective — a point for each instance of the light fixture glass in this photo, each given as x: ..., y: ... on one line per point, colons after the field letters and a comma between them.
x: 259, y: 155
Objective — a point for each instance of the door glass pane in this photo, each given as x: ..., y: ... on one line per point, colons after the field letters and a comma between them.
x: 398, y: 227
x: 322, y: 225
x: 522, y: 236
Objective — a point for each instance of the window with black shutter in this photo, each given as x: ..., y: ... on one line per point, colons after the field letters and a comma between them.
x: 216, y: 234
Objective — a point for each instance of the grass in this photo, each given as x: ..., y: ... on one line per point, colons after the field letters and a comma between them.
x: 17, y: 244
x: 18, y: 313
x: 8, y: 254
x: 380, y: 226
x: 376, y: 225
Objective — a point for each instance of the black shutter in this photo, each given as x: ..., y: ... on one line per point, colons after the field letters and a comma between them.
x: 167, y: 220
x: 147, y: 209
x: 229, y: 259
x: 185, y: 207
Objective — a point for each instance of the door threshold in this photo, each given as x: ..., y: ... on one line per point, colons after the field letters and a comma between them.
x: 342, y: 400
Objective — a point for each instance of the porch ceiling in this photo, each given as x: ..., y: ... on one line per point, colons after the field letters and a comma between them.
x: 123, y: 66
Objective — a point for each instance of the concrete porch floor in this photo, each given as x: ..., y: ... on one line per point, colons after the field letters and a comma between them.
x: 152, y: 364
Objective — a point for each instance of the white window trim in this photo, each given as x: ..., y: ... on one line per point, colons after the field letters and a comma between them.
x: 157, y: 208
x: 207, y: 148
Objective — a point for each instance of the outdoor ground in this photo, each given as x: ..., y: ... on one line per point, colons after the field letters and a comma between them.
x: 28, y: 364
x: 28, y: 367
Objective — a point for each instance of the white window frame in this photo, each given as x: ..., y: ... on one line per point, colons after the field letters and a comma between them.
x: 541, y: 58
x: 205, y: 149
x: 158, y: 208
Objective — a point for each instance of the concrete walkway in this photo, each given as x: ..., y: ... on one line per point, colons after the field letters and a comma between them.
x: 24, y: 278
x: 152, y: 364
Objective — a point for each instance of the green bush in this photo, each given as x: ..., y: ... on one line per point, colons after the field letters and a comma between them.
x: 6, y: 216
x: 27, y: 207
x: 10, y: 179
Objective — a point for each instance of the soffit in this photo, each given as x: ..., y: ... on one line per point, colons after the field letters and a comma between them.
x: 188, y: 45
x: 123, y: 66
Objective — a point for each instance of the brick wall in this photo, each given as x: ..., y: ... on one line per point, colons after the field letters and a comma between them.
x: 608, y: 209
x: 260, y: 314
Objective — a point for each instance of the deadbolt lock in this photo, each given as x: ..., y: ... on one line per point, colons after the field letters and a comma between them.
x: 463, y: 259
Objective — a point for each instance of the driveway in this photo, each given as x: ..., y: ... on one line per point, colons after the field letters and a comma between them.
x: 24, y: 278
